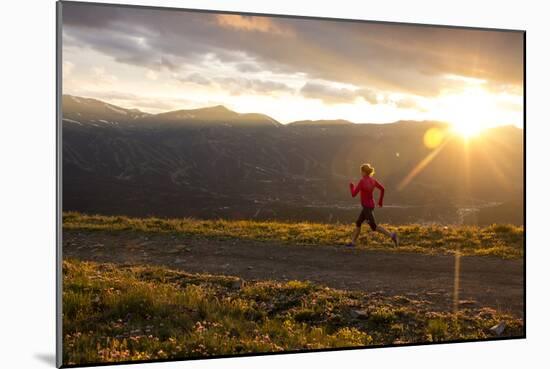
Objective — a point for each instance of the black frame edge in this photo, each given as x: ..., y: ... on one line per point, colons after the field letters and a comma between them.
x: 292, y: 16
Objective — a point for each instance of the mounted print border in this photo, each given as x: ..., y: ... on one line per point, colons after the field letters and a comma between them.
x: 237, y: 184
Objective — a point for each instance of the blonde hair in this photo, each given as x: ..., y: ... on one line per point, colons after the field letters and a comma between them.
x: 367, y: 169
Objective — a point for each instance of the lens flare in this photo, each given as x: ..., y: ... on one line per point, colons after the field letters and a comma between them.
x: 420, y: 166
x: 433, y: 137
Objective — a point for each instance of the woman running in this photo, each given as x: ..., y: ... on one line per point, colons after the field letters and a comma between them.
x: 366, y: 186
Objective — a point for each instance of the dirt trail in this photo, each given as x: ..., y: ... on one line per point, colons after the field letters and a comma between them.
x: 484, y: 281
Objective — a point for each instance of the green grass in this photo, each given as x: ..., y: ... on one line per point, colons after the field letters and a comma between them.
x: 501, y: 240
x: 124, y: 313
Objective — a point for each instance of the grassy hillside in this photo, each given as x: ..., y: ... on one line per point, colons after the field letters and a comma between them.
x: 123, y: 313
x: 496, y: 240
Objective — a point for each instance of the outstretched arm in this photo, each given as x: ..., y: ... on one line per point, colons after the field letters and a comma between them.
x: 381, y: 198
x: 354, y: 189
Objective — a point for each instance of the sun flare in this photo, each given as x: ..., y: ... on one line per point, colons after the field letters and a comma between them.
x: 470, y: 112
x: 466, y: 130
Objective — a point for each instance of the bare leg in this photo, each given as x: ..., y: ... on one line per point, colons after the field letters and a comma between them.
x: 393, y: 235
x: 383, y: 231
x: 355, y: 235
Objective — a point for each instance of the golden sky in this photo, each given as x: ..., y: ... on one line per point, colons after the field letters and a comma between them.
x: 292, y: 69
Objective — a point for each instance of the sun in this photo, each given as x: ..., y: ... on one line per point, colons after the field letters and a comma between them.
x: 466, y: 129
x: 469, y: 112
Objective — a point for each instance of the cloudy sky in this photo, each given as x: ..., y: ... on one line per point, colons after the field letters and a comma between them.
x: 291, y: 69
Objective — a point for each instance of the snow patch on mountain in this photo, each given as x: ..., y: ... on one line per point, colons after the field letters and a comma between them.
x: 116, y: 110
x: 72, y: 121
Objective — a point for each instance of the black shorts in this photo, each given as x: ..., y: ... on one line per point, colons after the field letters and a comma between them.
x: 368, y: 215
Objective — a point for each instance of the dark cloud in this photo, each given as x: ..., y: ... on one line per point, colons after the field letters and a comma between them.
x: 238, y: 86
x: 195, y: 78
x: 328, y: 94
x: 84, y: 15
x: 337, y: 95
x: 399, y: 58
x: 248, y: 67
x: 168, y: 64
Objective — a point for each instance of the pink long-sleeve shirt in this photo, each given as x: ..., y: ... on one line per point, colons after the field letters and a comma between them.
x: 366, y: 186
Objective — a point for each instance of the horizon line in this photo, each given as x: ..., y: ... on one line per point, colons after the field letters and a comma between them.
x: 288, y: 123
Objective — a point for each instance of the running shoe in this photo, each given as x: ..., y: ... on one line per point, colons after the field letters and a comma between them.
x: 395, y: 239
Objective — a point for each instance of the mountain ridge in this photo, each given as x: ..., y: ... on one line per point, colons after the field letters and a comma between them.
x: 217, y: 113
